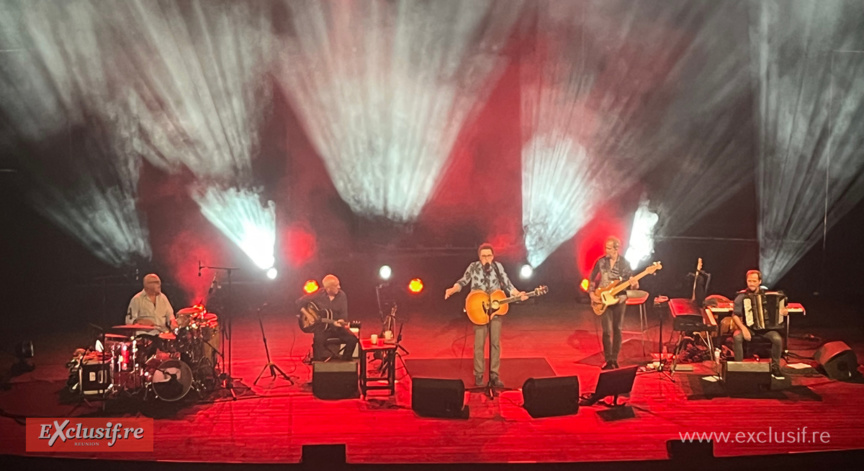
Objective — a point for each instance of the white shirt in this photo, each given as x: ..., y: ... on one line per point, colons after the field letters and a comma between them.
x: 141, y: 307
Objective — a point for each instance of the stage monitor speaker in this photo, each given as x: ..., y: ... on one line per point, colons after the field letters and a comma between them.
x: 335, y: 380
x: 549, y: 397
x: 746, y: 377
x: 837, y: 359
x: 444, y: 398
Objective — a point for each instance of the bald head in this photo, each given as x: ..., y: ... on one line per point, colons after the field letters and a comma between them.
x: 152, y: 284
x: 331, y: 285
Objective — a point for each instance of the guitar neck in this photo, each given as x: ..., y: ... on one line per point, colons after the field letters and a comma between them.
x: 626, y: 284
x: 516, y: 298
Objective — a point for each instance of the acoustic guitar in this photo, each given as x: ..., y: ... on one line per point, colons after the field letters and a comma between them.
x: 479, y: 305
x: 311, y: 317
x: 609, y: 294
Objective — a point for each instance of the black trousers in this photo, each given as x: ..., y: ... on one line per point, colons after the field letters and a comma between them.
x: 319, y: 342
x: 612, y: 320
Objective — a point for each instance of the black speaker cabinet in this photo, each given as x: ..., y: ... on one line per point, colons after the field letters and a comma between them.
x: 746, y: 377
x: 837, y: 359
x: 432, y: 397
x: 548, y: 397
x: 335, y: 380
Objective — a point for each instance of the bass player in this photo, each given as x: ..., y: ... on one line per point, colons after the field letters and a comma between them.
x: 609, y: 268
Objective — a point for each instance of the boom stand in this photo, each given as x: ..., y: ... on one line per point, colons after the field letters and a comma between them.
x: 662, y: 368
x: 274, y: 368
x: 225, y: 377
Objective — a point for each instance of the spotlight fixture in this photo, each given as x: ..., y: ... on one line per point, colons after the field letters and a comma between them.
x: 415, y: 286
x: 584, y: 285
x: 385, y: 272
x: 310, y: 287
x: 272, y: 273
x: 526, y: 271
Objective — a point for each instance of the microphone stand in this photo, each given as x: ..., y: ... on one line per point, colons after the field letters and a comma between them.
x: 226, y: 377
x: 274, y: 368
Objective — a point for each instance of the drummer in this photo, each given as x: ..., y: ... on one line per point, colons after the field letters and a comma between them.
x: 151, y: 307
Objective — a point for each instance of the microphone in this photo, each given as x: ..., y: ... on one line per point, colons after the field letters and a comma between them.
x: 199, y: 268
x: 213, y: 285
x: 487, y: 267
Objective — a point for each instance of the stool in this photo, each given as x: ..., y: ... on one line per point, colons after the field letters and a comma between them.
x: 637, y: 297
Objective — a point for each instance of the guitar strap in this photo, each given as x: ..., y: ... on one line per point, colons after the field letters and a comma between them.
x: 500, y: 279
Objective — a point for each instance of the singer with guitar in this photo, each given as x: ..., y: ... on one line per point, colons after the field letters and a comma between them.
x: 611, y: 267
x: 330, y: 298
x: 489, y: 276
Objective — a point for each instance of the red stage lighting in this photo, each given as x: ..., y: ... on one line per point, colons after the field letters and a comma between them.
x: 415, y: 286
x: 310, y: 287
x: 584, y: 284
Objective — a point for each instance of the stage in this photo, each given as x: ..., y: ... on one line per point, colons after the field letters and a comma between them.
x: 271, y: 422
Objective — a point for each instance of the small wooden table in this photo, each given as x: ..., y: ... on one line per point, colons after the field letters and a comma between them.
x: 389, y: 360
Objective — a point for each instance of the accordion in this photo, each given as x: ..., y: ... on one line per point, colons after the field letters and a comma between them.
x: 763, y: 310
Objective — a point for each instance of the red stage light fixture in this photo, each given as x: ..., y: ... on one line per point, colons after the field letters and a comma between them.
x: 415, y: 286
x: 310, y: 287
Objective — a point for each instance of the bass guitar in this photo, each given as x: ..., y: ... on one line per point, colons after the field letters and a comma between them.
x: 609, y: 294
x: 482, y: 307
x: 312, y: 318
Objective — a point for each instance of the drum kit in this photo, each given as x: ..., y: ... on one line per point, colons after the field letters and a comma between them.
x: 164, y: 365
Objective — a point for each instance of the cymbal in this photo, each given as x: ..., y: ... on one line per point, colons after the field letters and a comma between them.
x: 210, y: 317
x: 134, y: 327
x: 116, y: 337
x: 189, y: 311
x: 167, y: 336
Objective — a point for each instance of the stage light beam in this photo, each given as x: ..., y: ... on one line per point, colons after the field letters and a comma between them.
x: 241, y: 217
x: 641, y: 243
x: 384, y: 88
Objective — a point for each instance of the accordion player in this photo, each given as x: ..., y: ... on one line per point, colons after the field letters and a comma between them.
x: 764, y: 310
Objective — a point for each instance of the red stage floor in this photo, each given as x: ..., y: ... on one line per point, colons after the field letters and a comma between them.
x: 270, y: 422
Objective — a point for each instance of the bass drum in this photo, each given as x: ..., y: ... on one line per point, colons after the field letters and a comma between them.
x: 170, y: 379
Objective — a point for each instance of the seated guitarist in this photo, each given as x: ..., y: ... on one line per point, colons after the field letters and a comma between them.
x: 488, y: 276
x: 609, y: 268
x: 332, y: 298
